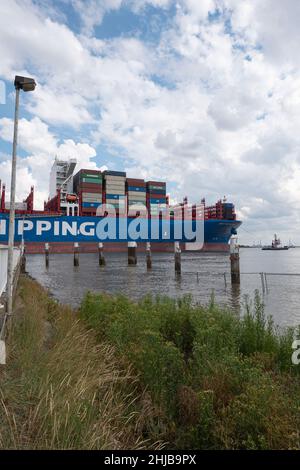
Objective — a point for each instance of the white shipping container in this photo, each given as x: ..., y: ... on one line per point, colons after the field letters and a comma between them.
x: 116, y: 202
x: 115, y: 185
x: 117, y: 192
x: 92, y: 195
x: 137, y: 207
x: 137, y: 196
x: 89, y: 199
x: 117, y: 179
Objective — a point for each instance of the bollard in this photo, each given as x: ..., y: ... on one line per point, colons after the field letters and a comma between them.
x: 148, y: 256
x: 101, y: 255
x: 177, y: 251
x: 235, y: 261
x: 47, y: 255
x: 76, y: 254
x: 23, y: 264
x: 132, y: 259
x: 23, y: 260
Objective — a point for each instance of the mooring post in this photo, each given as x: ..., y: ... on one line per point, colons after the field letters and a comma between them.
x: 47, y: 255
x: 235, y: 261
x: 23, y: 259
x: 132, y: 259
x: 148, y: 255
x: 177, y: 251
x: 101, y: 255
x: 225, y: 280
x: 76, y: 254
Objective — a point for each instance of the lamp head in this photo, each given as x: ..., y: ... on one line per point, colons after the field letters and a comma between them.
x: 24, y: 83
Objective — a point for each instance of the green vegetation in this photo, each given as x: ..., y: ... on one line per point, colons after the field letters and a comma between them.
x: 61, y: 389
x: 159, y: 372
x: 218, y: 381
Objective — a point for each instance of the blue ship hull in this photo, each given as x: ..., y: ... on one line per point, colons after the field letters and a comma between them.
x: 217, y: 234
x: 220, y: 231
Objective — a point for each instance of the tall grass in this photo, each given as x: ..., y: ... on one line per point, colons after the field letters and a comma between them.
x: 219, y: 381
x: 63, y: 389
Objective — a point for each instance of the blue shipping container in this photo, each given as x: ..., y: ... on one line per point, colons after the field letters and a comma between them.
x: 114, y: 196
x: 115, y: 173
x: 91, y: 204
x: 156, y: 191
x: 158, y: 201
x: 136, y: 188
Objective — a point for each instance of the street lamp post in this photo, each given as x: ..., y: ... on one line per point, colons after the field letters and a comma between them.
x: 25, y: 84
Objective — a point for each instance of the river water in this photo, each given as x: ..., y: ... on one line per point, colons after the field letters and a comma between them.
x: 282, y: 300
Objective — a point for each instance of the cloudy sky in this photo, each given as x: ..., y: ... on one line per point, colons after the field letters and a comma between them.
x: 204, y: 94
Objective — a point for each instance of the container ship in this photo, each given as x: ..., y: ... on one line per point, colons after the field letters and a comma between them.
x: 80, y: 196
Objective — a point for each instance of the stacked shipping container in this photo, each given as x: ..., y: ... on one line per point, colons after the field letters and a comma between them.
x: 156, y: 197
x: 88, y: 185
x: 114, y: 185
x: 111, y: 187
x: 136, y: 195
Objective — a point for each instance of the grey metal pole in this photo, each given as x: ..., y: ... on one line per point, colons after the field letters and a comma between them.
x: 10, y: 266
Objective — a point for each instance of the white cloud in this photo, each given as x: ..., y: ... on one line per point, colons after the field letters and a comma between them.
x: 41, y: 147
x: 214, y: 107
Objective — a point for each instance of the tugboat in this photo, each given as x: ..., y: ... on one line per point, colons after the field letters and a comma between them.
x: 276, y: 245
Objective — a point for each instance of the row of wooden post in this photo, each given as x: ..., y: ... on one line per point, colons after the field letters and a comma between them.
x: 132, y: 257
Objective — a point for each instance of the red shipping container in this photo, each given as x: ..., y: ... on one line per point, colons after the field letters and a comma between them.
x: 156, y: 183
x: 135, y: 182
x: 90, y: 188
x: 156, y: 196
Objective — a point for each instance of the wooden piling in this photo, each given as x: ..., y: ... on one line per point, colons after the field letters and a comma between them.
x: 132, y: 258
x: 235, y: 261
x: 101, y: 255
x: 148, y: 256
x: 23, y: 261
x: 76, y: 254
x: 47, y: 255
x: 177, y: 252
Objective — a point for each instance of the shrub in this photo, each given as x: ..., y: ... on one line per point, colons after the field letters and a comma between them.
x: 220, y: 380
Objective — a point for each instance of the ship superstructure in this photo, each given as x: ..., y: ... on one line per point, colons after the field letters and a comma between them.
x: 61, y: 182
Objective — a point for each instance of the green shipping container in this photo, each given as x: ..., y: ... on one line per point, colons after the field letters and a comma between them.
x: 97, y: 181
x: 91, y: 175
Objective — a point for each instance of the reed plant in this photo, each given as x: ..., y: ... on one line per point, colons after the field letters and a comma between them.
x: 63, y: 389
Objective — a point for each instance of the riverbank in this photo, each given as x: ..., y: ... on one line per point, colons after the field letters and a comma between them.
x: 62, y: 388
x: 120, y: 374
